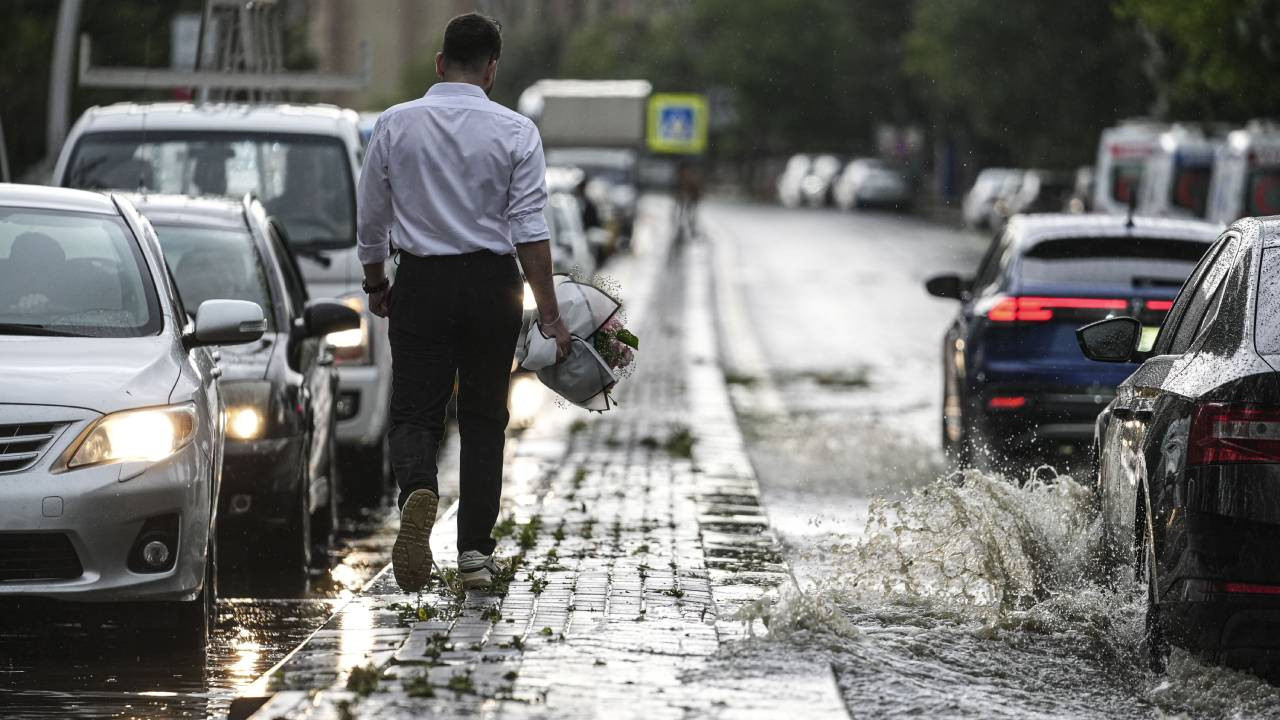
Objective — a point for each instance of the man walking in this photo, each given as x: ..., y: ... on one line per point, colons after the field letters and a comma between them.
x: 457, y: 184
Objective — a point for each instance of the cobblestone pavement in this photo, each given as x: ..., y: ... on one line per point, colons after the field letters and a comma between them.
x: 631, y: 542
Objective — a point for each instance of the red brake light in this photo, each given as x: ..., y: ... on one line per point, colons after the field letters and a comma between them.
x: 1250, y: 588
x: 1223, y: 433
x: 1160, y: 305
x: 1040, y: 309
x: 1007, y: 402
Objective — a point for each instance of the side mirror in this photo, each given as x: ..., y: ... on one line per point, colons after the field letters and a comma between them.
x: 952, y: 287
x: 321, y: 317
x: 226, y: 322
x: 1111, y: 340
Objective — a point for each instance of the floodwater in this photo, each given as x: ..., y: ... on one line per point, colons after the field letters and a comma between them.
x: 929, y: 593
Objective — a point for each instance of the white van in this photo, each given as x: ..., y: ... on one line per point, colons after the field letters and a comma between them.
x: 1246, y: 176
x: 1176, y: 180
x: 1122, y: 161
x: 302, y: 162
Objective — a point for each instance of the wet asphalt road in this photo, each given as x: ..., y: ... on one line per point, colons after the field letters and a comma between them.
x: 929, y: 594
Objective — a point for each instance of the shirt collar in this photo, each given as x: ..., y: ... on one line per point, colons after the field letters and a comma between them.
x: 455, y: 89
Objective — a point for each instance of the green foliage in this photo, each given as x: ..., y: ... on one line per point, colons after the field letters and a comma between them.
x: 1218, y: 59
x: 679, y: 444
x: 419, y: 687
x: 363, y: 680
x: 461, y: 684
x: 628, y: 338
x: 1036, y: 79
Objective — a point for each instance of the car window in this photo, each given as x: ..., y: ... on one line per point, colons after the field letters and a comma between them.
x: 293, y: 282
x: 1190, y: 188
x: 303, y: 180
x: 215, y: 263
x: 1169, y: 328
x: 1120, y: 262
x: 74, y: 273
x: 1267, y: 315
x: 1200, y: 301
x: 989, y: 267
x: 1262, y: 191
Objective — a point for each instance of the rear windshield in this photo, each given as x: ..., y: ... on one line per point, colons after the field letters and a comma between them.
x: 1190, y: 189
x: 69, y: 273
x: 1262, y: 192
x: 214, y: 263
x: 1113, y: 262
x: 1126, y: 176
x: 303, y: 180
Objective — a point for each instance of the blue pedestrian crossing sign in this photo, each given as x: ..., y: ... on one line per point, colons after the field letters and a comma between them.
x: 678, y: 123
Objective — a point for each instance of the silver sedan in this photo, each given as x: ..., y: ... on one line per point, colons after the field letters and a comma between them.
x: 111, y: 422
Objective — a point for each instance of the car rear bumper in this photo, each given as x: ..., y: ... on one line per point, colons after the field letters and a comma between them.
x: 1226, y: 593
x: 88, y: 519
x: 1021, y: 416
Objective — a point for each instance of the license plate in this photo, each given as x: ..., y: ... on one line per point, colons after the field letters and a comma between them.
x: 1148, y: 338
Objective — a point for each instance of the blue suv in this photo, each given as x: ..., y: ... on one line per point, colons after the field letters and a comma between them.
x: 1015, y: 383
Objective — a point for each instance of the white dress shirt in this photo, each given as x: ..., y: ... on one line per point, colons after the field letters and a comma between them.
x: 449, y: 173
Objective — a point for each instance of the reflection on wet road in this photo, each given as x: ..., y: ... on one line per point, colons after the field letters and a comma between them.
x: 64, y: 661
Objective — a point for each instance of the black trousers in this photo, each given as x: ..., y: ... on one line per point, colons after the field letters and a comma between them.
x: 454, y: 317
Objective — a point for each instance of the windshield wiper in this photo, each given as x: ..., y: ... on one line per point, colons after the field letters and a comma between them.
x: 34, y: 329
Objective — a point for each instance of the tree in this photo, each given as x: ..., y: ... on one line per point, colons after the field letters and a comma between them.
x: 1215, y: 59
x: 1035, y: 79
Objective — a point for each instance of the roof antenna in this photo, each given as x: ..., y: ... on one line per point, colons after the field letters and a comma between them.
x: 1133, y: 207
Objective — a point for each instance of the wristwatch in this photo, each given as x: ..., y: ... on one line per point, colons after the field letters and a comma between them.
x: 364, y: 284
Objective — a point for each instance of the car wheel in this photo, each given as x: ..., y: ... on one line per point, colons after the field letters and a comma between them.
x: 1154, y: 637
x: 366, y: 474
x: 956, y: 441
x: 196, y: 619
x: 324, y: 522
x: 291, y: 559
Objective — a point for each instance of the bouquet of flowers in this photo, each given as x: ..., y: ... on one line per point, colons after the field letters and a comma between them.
x: 602, y: 351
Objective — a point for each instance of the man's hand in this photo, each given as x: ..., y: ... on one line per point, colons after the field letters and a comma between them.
x: 380, y: 302
x: 559, y: 332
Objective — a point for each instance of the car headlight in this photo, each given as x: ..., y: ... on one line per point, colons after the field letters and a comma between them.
x: 147, y: 435
x: 248, y: 409
x: 351, y: 346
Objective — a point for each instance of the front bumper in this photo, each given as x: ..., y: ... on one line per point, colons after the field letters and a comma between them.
x: 102, y: 518
x: 260, y: 481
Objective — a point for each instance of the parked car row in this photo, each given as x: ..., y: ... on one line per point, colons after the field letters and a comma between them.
x: 826, y: 180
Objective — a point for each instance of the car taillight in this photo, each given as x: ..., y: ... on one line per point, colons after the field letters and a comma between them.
x: 1160, y: 305
x: 1040, y: 309
x: 1007, y: 402
x: 1234, y: 433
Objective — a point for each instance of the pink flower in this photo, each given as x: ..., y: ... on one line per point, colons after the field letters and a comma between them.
x: 613, y: 325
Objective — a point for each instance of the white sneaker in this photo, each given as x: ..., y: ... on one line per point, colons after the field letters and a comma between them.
x: 477, y: 570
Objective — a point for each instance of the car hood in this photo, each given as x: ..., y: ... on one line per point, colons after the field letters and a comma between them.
x: 99, y: 374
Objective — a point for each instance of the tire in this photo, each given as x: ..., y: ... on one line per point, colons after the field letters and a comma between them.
x: 289, y: 561
x: 1155, y: 637
x: 957, y: 442
x: 325, y: 521
x: 366, y: 473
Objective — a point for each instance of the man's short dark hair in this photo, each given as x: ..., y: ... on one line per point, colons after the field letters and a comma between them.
x: 472, y: 40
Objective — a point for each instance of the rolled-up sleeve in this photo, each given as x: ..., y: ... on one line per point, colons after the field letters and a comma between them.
x: 373, y: 201
x: 528, y: 194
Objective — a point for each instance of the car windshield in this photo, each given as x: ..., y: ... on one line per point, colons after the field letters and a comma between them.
x: 1262, y: 191
x: 1112, y: 262
x: 215, y: 262
x: 303, y: 180
x: 70, y: 273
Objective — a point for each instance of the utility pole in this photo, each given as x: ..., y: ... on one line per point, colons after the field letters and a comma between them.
x: 60, y: 69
